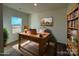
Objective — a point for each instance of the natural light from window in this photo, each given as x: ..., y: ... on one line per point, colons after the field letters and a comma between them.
x: 16, y: 23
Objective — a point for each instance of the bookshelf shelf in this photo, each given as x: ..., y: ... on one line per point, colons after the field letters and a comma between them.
x: 73, y: 30
x: 76, y: 18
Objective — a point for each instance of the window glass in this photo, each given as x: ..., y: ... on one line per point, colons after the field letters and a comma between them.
x: 16, y: 23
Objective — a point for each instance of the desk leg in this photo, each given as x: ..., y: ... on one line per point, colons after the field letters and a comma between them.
x: 19, y: 42
x: 41, y: 50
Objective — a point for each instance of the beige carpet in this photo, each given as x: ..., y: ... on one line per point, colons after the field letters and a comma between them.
x: 32, y: 48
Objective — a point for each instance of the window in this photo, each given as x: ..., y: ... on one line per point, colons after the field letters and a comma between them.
x: 16, y: 23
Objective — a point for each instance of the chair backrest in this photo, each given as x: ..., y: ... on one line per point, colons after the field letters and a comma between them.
x: 51, y: 36
x: 48, y: 30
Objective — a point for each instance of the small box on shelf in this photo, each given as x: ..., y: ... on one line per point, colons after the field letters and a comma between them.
x: 69, y: 17
x: 76, y: 13
x: 73, y: 15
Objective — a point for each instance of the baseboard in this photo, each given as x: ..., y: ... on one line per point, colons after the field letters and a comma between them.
x: 61, y: 43
x: 12, y: 43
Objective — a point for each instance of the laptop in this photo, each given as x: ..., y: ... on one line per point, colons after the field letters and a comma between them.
x: 33, y: 31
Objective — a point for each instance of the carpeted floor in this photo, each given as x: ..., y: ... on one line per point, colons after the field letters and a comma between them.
x: 58, y: 50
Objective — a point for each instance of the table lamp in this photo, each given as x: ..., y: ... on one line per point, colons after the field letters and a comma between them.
x: 25, y: 29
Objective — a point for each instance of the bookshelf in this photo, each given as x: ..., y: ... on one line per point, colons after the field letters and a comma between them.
x: 73, y: 29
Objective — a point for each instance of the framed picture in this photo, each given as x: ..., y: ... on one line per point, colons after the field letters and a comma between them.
x: 48, y: 21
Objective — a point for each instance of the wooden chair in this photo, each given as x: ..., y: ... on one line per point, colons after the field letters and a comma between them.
x: 52, y: 39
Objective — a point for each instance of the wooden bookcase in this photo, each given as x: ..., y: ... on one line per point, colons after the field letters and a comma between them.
x: 73, y: 30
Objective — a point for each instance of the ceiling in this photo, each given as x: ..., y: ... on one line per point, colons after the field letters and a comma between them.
x: 30, y: 8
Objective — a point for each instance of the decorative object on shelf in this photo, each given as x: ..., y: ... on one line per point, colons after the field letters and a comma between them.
x: 47, y: 21
x: 74, y: 35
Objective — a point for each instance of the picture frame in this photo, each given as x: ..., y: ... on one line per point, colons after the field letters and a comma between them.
x: 47, y: 21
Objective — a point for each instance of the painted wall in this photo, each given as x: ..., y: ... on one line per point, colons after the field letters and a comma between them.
x: 34, y: 21
x: 59, y: 27
x: 7, y: 14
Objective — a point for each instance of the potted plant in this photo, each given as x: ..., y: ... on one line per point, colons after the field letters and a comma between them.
x: 5, y: 35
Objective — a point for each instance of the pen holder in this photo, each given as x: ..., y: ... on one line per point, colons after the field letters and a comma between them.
x: 40, y: 35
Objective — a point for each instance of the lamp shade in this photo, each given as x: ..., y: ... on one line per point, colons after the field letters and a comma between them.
x: 25, y: 27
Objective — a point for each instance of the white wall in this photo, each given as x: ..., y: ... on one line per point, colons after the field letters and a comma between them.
x: 59, y: 18
x: 7, y: 14
x: 34, y: 20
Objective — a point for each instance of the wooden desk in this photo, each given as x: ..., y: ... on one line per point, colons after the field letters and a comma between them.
x: 40, y: 40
